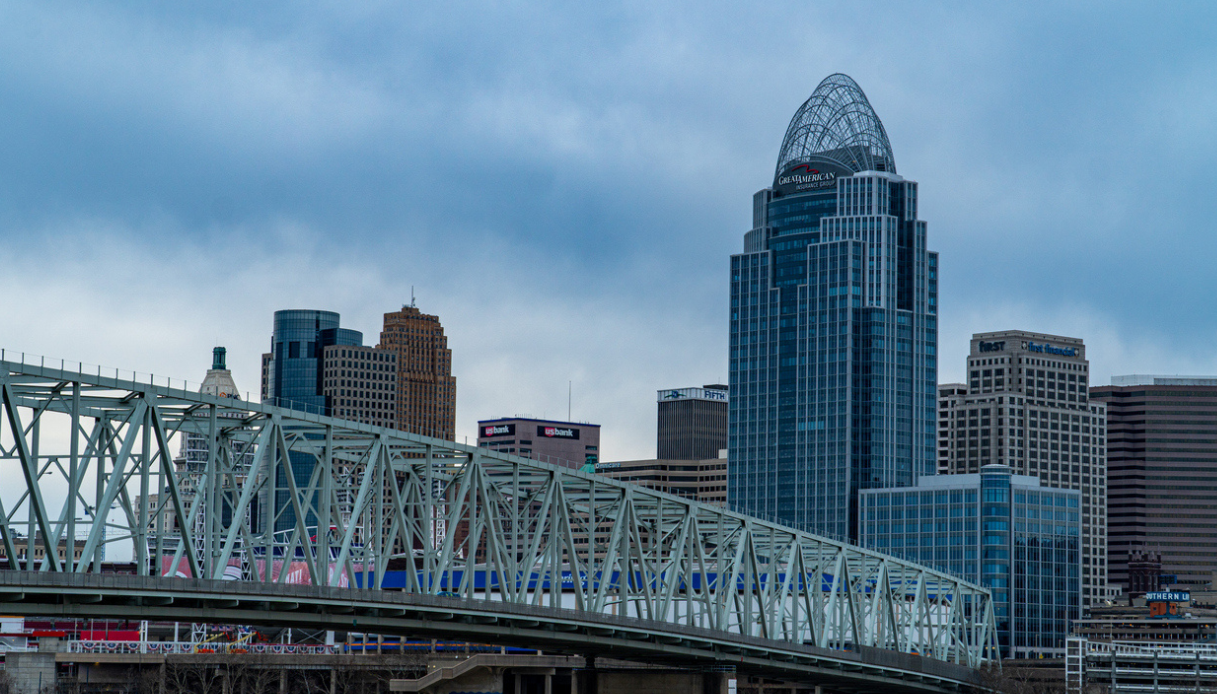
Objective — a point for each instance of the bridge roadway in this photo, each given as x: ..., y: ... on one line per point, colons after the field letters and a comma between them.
x: 552, y: 629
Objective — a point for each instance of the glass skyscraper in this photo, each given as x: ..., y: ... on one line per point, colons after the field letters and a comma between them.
x: 833, y: 371
x: 292, y: 368
x: 1001, y: 530
x: 291, y: 378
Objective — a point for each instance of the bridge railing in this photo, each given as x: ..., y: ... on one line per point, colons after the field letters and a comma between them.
x: 134, y: 377
x: 182, y: 647
x: 293, y: 497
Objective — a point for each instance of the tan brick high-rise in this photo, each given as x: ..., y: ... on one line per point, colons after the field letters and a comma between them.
x: 426, y: 396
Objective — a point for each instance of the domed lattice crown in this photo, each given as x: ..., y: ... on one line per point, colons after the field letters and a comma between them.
x: 837, y: 124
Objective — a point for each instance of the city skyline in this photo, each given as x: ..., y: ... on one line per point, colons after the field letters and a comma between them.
x: 567, y: 206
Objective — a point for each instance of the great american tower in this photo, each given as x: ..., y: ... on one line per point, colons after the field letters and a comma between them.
x: 833, y: 368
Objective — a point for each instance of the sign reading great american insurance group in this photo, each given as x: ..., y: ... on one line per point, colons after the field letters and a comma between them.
x: 808, y: 177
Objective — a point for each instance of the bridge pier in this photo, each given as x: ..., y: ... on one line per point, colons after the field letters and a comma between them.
x: 587, y: 681
x: 543, y: 674
x: 758, y: 685
x: 32, y: 672
x: 650, y: 681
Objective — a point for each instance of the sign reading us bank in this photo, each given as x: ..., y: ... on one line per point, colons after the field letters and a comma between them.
x: 498, y: 430
x: 558, y: 432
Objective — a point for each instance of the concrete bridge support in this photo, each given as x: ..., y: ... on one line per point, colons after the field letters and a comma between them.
x: 31, y: 673
x: 650, y: 681
x: 541, y: 674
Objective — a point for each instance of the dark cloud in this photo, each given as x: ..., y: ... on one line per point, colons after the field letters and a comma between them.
x: 563, y: 184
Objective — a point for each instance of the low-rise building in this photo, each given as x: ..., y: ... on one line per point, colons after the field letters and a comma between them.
x: 566, y: 444
x: 700, y: 480
x: 1003, y: 531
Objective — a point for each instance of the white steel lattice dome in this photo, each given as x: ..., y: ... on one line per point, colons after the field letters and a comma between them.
x: 837, y: 124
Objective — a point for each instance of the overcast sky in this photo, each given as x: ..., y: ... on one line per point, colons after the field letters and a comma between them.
x: 563, y: 184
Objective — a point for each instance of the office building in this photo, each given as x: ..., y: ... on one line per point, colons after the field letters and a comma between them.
x: 1027, y: 405
x: 35, y: 549
x: 426, y: 388
x: 360, y: 384
x: 1161, y: 478
x: 946, y: 443
x: 292, y: 377
x: 1003, y: 531
x: 692, y: 423
x: 566, y: 444
x: 699, y: 480
x: 833, y: 326
x: 291, y: 371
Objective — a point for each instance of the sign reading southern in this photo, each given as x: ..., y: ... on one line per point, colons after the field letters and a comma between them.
x: 558, y: 432
x: 807, y: 177
x: 491, y: 430
x: 1165, y: 604
x: 1168, y: 596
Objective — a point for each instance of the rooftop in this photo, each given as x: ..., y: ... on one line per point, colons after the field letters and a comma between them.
x: 1149, y: 380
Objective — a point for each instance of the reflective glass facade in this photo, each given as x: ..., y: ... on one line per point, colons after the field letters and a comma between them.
x: 1001, y: 530
x: 292, y: 379
x: 834, y: 328
x: 833, y: 370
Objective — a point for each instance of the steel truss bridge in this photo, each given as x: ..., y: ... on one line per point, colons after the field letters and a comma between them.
x: 316, y: 518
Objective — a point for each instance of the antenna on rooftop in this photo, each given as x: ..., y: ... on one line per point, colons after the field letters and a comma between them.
x: 412, y: 297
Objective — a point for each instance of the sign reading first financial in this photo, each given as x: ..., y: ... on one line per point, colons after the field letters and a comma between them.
x: 1042, y: 348
x: 1038, y: 347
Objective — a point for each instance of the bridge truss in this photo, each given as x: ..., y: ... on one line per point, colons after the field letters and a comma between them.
x: 283, y: 497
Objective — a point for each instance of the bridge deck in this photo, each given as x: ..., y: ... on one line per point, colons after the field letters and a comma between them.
x: 550, y: 629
